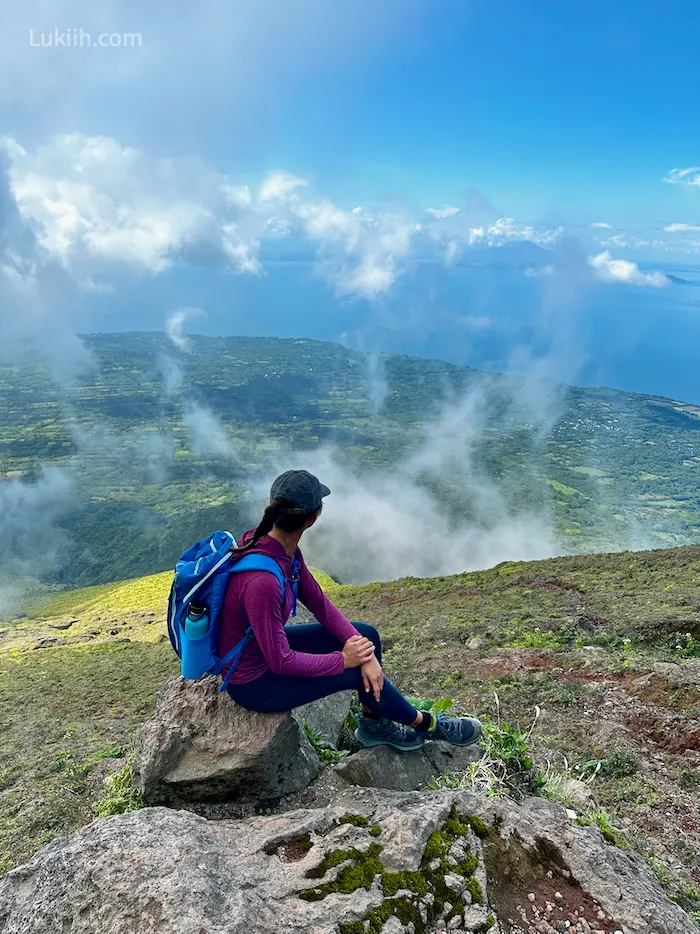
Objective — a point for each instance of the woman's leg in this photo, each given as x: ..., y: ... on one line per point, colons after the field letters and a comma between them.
x: 271, y: 692
x: 315, y: 638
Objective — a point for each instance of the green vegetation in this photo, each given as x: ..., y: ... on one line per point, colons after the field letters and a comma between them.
x: 79, y: 677
x: 613, y: 467
x: 119, y: 796
x: 360, y: 867
x: 325, y: 750
x: 506, y: 767
x: 356, y: 820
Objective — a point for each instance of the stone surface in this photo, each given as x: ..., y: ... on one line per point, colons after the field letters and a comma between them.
x: 478, y: 644
x: 201, y: 747
x: 160, y: 871
x: 384, y: 767
x: 327, y: 715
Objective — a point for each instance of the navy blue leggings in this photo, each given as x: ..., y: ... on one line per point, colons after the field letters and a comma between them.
x: 271, y: 692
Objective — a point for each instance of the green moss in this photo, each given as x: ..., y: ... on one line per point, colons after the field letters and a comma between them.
x: 378, y: 916
x: 393, y: 882
x: 611, y: 835
x: 364, y: 867
x: 357, y: 820
x: 436, y: 847
x: 468, y: 866
x: 352, y: 927
x: 376, y: 830
x: 475, y: 890
x: 359, y: 875
x: 486, y: 926
x: 454, y: 826
x: 478, y: 826
x: 406, y: 911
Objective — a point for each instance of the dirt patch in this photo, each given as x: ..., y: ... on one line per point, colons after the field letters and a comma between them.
x: 534, y: 892
x: 291, y: 849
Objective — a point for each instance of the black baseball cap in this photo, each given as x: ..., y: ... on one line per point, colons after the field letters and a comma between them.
x: 301, y: 489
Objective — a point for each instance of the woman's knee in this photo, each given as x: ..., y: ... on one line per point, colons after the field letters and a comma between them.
x: 369, y: 632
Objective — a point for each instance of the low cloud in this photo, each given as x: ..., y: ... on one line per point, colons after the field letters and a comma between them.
x: 41, y: 301
x: 609, y: 269
x: 31, y: 542
x: 441, y: 213
x: 689, y: 176
x: 380, y: 525
x: 601, y: 224
x: 175, y: 321
x: 209, y: 436
x: 682, y: 228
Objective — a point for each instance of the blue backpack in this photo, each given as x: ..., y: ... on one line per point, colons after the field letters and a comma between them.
x: 203, y: 572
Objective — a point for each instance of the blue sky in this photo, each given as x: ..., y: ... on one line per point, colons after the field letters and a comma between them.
x: 571, y: 112
x: 365, y: 137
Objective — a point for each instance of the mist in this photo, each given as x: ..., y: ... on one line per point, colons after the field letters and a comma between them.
x: 31, y: 543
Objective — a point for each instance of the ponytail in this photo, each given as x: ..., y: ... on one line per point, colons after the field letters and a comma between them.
x: 272, y: 514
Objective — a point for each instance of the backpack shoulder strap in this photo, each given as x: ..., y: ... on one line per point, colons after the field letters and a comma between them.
x: 256, y: 562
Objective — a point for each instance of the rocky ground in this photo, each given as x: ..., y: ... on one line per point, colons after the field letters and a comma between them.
x: 606, y: 646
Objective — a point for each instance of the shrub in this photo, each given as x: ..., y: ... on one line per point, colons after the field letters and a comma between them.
x: 325, y: 750
x: 120, y: 795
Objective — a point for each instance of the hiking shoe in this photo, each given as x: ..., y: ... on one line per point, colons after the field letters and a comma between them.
x: 373, y: 732
x: 460, y: 731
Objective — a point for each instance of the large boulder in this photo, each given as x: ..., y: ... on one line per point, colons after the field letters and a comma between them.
x: 202, y: 748
x: 384, y: 767
x: 371, y: 860
x: 326, y: 716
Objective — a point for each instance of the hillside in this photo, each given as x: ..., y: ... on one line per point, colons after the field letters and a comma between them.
x: 148, y: 446
x: 608, y: 646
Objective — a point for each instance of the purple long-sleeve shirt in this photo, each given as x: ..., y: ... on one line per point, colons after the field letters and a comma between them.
x: 253, y: 599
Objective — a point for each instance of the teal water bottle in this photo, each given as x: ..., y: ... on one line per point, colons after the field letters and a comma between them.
x: 197, y: 621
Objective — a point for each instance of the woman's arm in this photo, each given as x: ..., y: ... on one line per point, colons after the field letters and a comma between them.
x: 315, y: 600
x: 260, y: 596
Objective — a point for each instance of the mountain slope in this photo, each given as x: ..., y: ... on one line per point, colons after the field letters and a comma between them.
x: 608, y: 646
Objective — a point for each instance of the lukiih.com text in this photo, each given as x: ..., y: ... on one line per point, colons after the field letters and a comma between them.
x: 78, y: 38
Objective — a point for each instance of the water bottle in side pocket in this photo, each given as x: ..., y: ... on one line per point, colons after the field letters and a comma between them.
x: 196, y: 621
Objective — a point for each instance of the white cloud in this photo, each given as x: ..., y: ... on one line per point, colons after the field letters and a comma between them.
x: 208, y: 434
x: 507, y: 230
x: 175, y: 321
x: 601, y: 224
x: 360, y: 253
x: 689, y: 176
x: 455, y: 233
x: 682, y: 228
x: 97, y: 203
x: 623, y: 271
x: 279, y: 185
x: 441, y: 213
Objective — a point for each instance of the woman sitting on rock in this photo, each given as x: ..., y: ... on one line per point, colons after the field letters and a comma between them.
x: 287, y: 666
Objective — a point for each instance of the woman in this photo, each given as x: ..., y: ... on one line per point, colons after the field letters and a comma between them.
x: 287, y: 666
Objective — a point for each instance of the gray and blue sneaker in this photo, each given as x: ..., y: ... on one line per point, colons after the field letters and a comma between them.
x: 460, y: 731
x: 371, y: 732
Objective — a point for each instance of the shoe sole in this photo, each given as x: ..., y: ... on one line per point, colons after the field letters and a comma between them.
x: 368, y: 743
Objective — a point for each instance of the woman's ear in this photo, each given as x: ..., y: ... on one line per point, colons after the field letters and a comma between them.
x: 312, y: 519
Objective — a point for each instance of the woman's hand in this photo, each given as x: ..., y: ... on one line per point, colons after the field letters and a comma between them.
x: 373, y: 678
x: 356, y: 651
